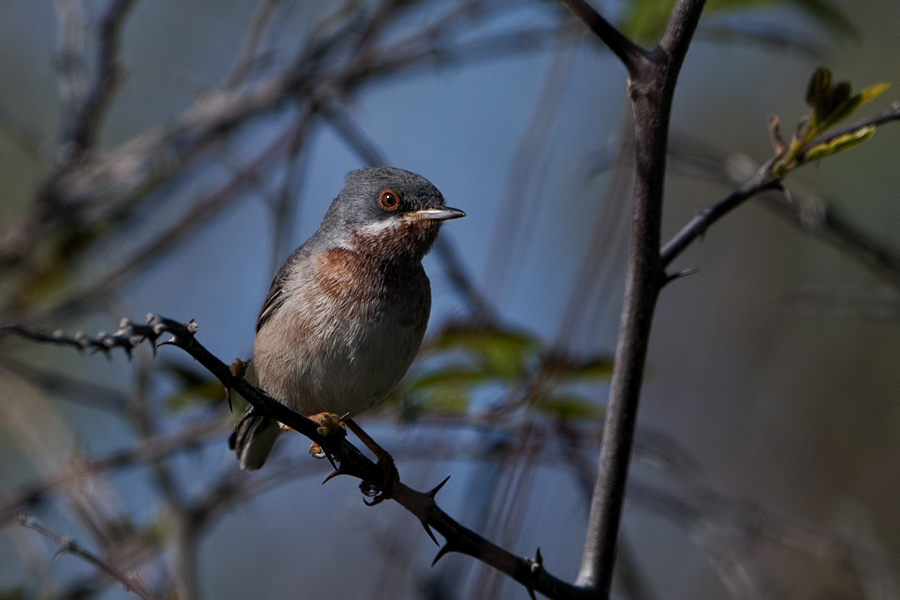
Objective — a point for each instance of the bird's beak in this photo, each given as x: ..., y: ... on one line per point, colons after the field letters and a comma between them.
x: 437, y: 214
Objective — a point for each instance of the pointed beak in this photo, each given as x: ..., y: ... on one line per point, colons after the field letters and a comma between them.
x: 437, y: 214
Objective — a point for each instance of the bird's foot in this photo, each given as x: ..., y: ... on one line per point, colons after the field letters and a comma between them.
x: 329, y: 425
x: 385, y: 490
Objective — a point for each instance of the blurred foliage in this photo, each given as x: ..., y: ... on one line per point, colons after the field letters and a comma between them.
x: 646, y: 20
x: 511, y: 368
x: 193, y: 387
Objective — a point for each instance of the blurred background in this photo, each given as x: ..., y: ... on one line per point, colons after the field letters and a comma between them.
x: 164, y: 157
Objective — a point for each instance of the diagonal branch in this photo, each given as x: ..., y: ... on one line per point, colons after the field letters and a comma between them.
x: 528, y: 572
x: 627, y: 51
x: 67, y: 545
x: 703, y: 220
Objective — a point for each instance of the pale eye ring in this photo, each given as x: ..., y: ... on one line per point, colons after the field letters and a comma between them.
x: 388, y: 199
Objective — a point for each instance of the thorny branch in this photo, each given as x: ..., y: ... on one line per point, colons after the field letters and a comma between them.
x: 528, y: 572
x: 68, y: 546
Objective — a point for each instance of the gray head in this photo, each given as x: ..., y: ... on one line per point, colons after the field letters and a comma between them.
x: 385, y: 205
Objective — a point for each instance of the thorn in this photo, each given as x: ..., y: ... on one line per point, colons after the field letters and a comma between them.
x: 538, y: 559
x: 331, y: 460
x: 437, y: 488
x: 670, y: 277
x: 530, y: 593
x: 172, y: 341
x: 430, y: 534
x: 445, y: 549
x: 227, y: 397
x: 331, y: 476
x: 64, y: 546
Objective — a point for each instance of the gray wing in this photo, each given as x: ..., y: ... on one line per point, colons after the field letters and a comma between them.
x: 274, y: 300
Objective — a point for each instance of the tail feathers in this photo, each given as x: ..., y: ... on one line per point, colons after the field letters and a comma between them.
x: 252, y: 441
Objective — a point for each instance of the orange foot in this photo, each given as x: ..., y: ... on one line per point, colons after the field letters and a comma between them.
x: 329, y: 424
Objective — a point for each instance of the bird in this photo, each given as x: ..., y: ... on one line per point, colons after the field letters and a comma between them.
x: 347, y: 311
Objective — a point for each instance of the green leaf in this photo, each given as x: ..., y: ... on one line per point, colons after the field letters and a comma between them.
x: 591, y: 369
x: 871, y: 92
x: 849, y: 105
x: 571, y: 406
x: 840, y: 143
x: 647, y: 19
x: 499, y: 352
x: 818, y: 96
x: 447, y: 404
x: 455, y: 378
x: 195, y: 388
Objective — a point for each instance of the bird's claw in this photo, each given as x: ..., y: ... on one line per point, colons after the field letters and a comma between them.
x: 391, y: 478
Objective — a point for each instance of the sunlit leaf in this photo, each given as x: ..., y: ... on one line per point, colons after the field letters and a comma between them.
x: 848, y: 105
x: 871, y: 92
x: 840, y: 143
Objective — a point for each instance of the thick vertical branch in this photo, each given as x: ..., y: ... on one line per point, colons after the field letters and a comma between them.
x: 651, y: 88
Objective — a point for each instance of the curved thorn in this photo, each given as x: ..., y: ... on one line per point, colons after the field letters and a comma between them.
x: 330, y: 476
x: 538, y: 559
x: 670, y: 277
x: 530, y: 593
x: 429, y: 532
x: 445, y: 549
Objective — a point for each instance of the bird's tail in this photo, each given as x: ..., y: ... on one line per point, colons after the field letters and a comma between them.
x: 252, y: 441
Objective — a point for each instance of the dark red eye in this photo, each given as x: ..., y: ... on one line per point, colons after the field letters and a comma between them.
x: 389, y: 199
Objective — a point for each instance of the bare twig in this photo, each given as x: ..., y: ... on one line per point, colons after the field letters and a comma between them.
x: 108, y: 76
x: 148, y: 450
x: 66, y: 545
x: 702, y: 221
x: 627, y: 51
x: 247, y: 56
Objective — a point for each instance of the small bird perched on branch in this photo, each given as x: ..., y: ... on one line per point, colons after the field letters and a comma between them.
x: 346, y: 313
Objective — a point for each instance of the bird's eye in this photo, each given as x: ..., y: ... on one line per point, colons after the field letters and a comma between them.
x: 389, y: 199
